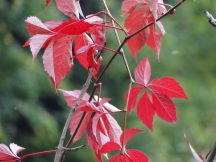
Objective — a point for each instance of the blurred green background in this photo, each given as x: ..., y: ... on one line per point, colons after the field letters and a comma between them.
x: 32, y: 115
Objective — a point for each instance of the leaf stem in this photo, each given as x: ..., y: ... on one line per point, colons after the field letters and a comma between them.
x: 125, y: 118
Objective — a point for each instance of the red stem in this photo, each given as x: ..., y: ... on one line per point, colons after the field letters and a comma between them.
x: 35, y: 154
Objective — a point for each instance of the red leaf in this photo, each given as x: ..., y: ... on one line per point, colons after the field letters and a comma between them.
x: 164, y: 107
x: 72, y: 27
x: 128, y: 134
x: 120, y: 158
x: 74, y: 121
x: 57, y: 58
x: 137, y: 156
x: 143, y: 72
x: 85, y: 52
x: 72, y: 96
x: 109, y: 146
x: 48, y: 2
x: 35, y: 26
x: 136, y: 20
x: 154, y: 40
x: 169, y: 87
x: 145, y: 111
x: 130, y: 156
x: 70, y: 8
x: 134, y: 92
x: 82, y: 41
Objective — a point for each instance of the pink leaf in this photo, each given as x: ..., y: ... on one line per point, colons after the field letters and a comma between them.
x: 145, y: 111
x: 113, y: 128
x: 52, y: 24
x: 74, y: 122
x: 137, y: 156
x: 72, y: 96
x: 109, y: 146
x: 35, y: 26
x: 164, y: 107
x: 57, y: 58
x: 129, y: 5
x: 136, y: 20
x: 128, y: 134
x: 169, y: 87
x: 15, y: 148
x: 134, y: 92
x: 143, y: 72
x: 70, y: 8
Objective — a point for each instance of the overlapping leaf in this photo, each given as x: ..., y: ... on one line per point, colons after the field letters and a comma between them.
x: 98, y: 122
x: 148, y: 13
x: 159, y: 101
x: 56, y: 38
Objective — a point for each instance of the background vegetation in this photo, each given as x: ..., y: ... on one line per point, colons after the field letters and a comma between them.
x: 32, y: 115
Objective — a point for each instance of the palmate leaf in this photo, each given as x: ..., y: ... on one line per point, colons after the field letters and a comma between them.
x: 159, y: 102
x: 56, y: 38
x: 139, y: 18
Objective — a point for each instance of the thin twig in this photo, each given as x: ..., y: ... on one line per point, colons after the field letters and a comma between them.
x: 119, y: 42
x: 212, y: 154
x: 211, y: 19
x: 125, y: 117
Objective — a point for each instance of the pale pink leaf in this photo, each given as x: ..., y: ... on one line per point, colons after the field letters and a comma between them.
x: 72, y: 96
x: 15, y: 148
x: 113, y: 128
x: 143, y: 72
x: 57, y: 58
x: 74, y: 122
x: 70, y: 8
x: 35, y: 26
x: 36, y: 42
